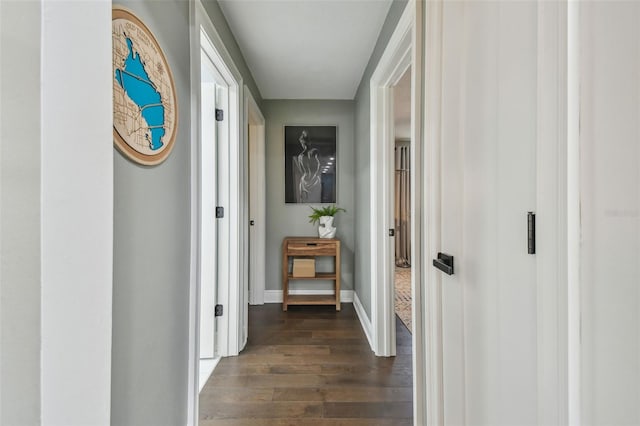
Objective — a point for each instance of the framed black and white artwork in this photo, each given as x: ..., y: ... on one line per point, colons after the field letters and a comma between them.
x: 310, y: 164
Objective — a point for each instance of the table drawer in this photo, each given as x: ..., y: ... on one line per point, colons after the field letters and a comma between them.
x: 301, y: 248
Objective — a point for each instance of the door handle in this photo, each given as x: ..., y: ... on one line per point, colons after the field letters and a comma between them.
x: 444, y: 262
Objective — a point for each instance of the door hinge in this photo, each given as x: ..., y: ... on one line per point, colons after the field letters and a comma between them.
x: 219, y: 212
x: 219, y: 310
x: 531, y: 233
x: 219, y: 114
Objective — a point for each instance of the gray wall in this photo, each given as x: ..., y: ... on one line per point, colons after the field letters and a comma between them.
x: 152, y: 243
x: 151, y: 254
x: 292, y: 219
x: 362, y: 163
x: 20, y: 214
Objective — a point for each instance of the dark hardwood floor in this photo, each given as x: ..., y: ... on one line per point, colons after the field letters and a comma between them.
x: 309, y: 366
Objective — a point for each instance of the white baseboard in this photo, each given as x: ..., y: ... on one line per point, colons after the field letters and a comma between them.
x: 275, y: 296
x: 364, y: 319
x: 205, y: 370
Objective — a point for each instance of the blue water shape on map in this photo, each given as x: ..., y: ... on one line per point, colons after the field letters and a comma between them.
x: 142, y: 91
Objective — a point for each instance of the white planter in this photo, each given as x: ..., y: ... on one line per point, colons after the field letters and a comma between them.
x: 326, y: 228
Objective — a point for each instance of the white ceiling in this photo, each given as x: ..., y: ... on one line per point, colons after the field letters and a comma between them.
x: 306, y: 49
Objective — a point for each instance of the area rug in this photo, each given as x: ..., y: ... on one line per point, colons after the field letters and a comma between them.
x: 403, y: 296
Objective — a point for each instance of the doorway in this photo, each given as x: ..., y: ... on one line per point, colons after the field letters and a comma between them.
x: 404, y: 49
x: 218, y: 206
x: 257, y: 199
x: 213, y: 97
x: 394, y: 63
x: 402, y: 198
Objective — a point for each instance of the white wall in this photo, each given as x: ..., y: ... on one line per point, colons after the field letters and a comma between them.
x: 20, y: 213
x: 77, y: 212
x: 610, y: 208
x: 56, y: 213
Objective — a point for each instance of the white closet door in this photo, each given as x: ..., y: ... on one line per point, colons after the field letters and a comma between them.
x: 488, y: 184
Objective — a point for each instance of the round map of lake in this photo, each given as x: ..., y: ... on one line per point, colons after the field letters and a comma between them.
x: 144, y: 99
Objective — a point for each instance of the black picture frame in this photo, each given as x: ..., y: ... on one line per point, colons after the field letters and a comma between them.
x: 310, y: 164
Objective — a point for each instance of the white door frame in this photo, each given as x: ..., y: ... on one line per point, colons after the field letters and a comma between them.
x: 231, y: 261
x: 570, y: 34
x: 554, y: 218
x: 255, y: 124
x: 392, y: 65
x: 405, y: 48
x: 210, y: 130
x: 428, y: 309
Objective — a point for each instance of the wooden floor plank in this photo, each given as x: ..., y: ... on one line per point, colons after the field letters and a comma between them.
x: 306, y: 422
x: 309, y: 366
x: 358, y: 394
x: 260, y: 410
x: 369, y: 410
x: 288, y: 349
x: 213, y: 395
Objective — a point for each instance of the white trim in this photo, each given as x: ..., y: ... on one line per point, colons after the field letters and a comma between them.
x: 232, y: 233
x: 229, y: 255
x: 193, y: 368
x: 419, y: 239
x: 428, y: 217
x: 364, y: 319
x: 551, y: 206
x: 255, y: 121
x: 211, y: 366
x: 394, y: 62
x: 420, y: 22
x: 275, y: 296
x: 573, y: 214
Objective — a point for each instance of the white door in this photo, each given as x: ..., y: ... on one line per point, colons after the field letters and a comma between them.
x: 212, y: 92
x: 488, y: 184
x: 257, y: 224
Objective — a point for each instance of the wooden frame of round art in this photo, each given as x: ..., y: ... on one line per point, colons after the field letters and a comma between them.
x: 119, y: 12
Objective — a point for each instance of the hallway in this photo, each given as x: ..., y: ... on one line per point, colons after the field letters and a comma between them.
x: 525, y: 165
x: 309, y: 366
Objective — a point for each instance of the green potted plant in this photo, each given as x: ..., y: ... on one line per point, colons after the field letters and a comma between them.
x: 324, y: 216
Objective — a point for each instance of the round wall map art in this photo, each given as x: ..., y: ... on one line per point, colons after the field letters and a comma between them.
x: 145, y: 111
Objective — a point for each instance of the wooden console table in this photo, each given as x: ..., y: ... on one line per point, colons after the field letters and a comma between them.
x: 310, y: 247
